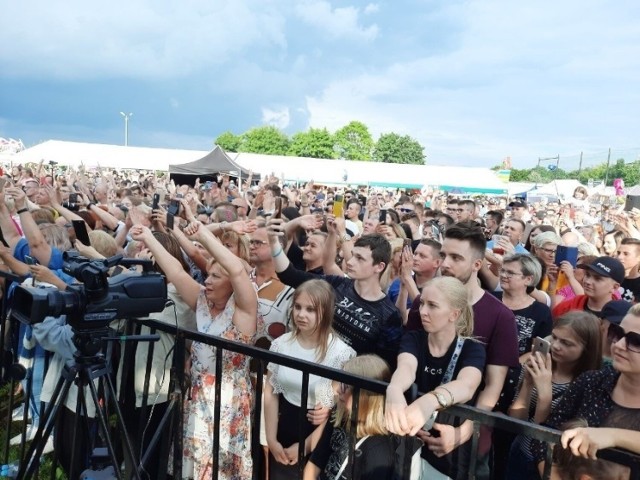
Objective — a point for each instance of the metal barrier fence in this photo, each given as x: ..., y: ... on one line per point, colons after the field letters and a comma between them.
x: 168, y: 437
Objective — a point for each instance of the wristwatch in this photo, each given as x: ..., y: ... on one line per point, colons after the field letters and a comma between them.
x: 442, y: 400
x: 346, y: 237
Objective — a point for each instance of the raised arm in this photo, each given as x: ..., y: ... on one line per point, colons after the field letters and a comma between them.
x: 336, y: 230
x: 9, y: 229
x: 187, y: 287
x: 38, y: 246
x: 56, y: 203
x: 246, y: 313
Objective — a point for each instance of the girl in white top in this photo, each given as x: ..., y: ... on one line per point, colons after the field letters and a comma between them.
x: 311, y: 339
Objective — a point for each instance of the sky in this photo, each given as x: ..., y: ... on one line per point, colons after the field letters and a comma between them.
x: 473, y: 81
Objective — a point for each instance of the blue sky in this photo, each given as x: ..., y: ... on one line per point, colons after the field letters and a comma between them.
x: 473, y: 81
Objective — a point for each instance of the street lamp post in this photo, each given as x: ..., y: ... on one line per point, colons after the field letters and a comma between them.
x: 126, y: 117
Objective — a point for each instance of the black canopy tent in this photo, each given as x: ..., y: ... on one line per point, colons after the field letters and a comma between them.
x: 207, y: 168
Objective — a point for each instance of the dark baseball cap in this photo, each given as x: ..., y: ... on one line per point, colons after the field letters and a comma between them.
x: 606, y: 267
x: 615, y: 310
x: 518, y: 204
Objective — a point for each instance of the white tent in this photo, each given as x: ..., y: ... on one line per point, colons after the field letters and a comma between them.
x: 325, y: 171
x: 294, y: 169
x: 558, y: 188
x: 115, y: 156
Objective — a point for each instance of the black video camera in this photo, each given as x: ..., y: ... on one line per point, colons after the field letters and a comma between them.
x: 99, y: 299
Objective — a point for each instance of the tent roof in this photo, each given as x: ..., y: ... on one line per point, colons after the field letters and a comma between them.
x: 215, y: 161
x: 116, y: 156
x: 375, y: 174
x: 562, y: 188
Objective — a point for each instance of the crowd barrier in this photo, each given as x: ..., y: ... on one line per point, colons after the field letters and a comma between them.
x: 168, y: 435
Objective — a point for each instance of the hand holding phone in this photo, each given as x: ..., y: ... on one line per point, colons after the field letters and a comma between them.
x: 156, y: 201
x: 80, y: 228
x: 541, y: 345
x: 338, y: 206
x: 277, y: 213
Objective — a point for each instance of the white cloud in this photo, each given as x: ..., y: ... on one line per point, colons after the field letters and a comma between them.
x: 134, y: 39
x: 517, y: 81
x: 174, y: 102
x: 371, y: 8
x: 339, y: 22
x: 278, y: 117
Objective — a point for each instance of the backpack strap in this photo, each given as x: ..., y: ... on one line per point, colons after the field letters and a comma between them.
x: 344, y: 464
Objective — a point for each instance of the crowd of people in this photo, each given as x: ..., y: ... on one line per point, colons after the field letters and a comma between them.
x: 525, y: 309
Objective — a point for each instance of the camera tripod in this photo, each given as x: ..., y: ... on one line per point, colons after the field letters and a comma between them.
x: 89, y: 365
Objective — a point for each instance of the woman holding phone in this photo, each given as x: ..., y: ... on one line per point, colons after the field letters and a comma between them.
x: 547, y: 374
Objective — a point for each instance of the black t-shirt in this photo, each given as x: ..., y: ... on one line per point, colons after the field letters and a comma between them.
x: 376, y: 457
x: 368, y: 326
x: 429, y: 375
x: 532, y: 321
x: 431, y: 369
x: 630, y: 290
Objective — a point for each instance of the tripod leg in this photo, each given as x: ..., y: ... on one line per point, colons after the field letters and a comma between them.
x: 105, y: 429
x: 128, y: 449
x: 46, y: 424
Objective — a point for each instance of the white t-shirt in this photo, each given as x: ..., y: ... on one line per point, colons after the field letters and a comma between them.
x: 289, y: 382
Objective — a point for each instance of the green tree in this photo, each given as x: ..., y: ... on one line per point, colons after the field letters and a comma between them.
x: 354, y: 142
x: 392, y: 148
x: 228, y: 141
x: 267, y: 140
x: 314, y: 143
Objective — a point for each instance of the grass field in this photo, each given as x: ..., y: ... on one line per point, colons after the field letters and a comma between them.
x: 14, y: 451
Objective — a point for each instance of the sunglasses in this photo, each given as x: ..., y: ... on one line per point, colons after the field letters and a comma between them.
x: 405, y: 210
x: 632, y: 339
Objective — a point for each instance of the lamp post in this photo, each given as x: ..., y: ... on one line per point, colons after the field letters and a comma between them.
x: 126, y: 117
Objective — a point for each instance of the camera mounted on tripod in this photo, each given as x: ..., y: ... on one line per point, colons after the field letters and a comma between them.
x: 100, y: 299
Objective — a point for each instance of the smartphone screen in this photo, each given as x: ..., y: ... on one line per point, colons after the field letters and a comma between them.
x: 156, y: 200
x: 29, y: 260
x: 81, y: 231
x: 338, y: 206
x: 170, y: 221
x: 277, y: 213
x: 407, y: 242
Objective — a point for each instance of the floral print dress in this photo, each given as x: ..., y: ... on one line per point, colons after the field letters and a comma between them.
x: 236, y: 402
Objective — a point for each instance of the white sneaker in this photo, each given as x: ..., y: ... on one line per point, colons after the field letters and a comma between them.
x: 48, y: 448
x: 31, y: 432
x: 18, y: 414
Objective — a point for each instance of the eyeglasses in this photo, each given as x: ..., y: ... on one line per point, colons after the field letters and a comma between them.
x: 550, y: 251
x: 406, y: 210
x: 632, y: 339
x: 257, y: 243
x: 509, y: 273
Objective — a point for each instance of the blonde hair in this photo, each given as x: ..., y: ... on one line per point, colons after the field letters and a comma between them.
x: 323, y: 300
x: 104, y: 243
x: 457, y: 297
x: 56, y: 236
x: 240, y: 240
x: 370, y: 404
